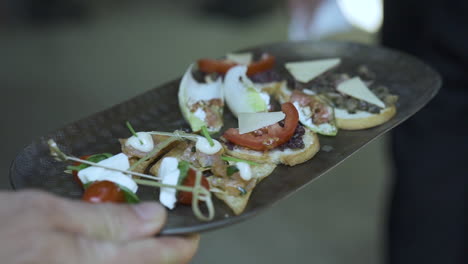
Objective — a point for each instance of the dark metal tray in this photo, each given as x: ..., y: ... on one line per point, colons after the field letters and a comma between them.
x: 157, y: 109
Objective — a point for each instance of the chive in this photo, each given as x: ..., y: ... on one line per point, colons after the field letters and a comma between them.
x: 227, y: 158
x: 231, y: 170
x: 133, y: 131
x: 205, y: 133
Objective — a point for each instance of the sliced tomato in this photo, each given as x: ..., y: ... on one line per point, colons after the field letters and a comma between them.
x: 186, y: 197
x: 211, y: 66
x: 75, y: 173
x: 267, y: 62
x: 222, y: 66
x: 270, y: 136
x: 103, y: 192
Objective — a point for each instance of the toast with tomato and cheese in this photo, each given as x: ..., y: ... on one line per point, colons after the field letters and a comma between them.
x: 248, y: 82
x: 315, y: 112
x: 283, y: 142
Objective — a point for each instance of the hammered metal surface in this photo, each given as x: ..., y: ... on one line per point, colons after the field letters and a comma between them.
x: 157, y: 109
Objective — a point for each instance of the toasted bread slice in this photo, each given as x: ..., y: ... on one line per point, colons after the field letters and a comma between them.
x: 362, y: 120
x: 177, y: 151
x: 238, y: 203
x: 135, y: 155
x: 288, y: 156
x: 271, y: 88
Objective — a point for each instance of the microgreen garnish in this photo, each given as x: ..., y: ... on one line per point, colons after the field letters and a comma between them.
x: 133, y: 132
x: 198, y: 191
x: 183, y: 167
x: 205, y: 133
x: 93, y: 158
x: 228, y: 158
x: 230, y: 170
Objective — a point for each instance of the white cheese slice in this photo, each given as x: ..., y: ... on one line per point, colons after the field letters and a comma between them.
x: 249, y: 122
x: 240, y: 58
x: 169, y: 173
x: 356, y: 88
x: 306, y: 71
x: 119, y: 161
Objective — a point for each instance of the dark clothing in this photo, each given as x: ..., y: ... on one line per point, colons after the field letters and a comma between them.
x: 428, y: 216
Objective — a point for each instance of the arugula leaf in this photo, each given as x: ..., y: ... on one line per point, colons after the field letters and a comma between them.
x: 230, y: 170
x: 99, y: 157
x: 130, y: 197
x: 183, y: 167
x: 93, y: 158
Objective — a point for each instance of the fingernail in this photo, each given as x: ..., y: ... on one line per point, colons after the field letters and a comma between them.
x: 149, y: 211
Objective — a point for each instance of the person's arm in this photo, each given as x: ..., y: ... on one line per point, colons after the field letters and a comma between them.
x: 37, y: 227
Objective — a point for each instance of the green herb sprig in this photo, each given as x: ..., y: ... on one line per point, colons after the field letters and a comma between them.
x: 133, y: 131
x: 228, y: 158
x: 206, y: 134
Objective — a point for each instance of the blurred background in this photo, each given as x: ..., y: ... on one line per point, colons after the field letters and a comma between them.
x: 61, y: 60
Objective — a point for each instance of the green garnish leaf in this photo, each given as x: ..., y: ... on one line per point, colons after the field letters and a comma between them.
x: 242, y: 191
x: 99, y: 157
x: 86, y: 185
x: 133, y: 132
x: 205, y: 133
x: 228, y: 158
x: 183, y: 167
x: 130, y: 197
x: 230, y: 170
x: 93, y: 158
x: 194, y: 149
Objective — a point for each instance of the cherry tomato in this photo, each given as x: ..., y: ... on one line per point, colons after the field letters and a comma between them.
x: 222, y: 66
x: 102, y: 192
x: 186, y: 197
x: 75, y: 173
x: 270, y: 136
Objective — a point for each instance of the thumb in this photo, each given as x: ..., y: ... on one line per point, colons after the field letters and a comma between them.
x: 158, y: 250
x: 109, y: 221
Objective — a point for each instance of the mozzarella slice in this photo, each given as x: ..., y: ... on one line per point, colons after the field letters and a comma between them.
x: 306, y: 71
x: 356, y: 88
x: 169, y: 174
x: 249, y: 122
x: 119, y: 161
x: 240, y: 58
